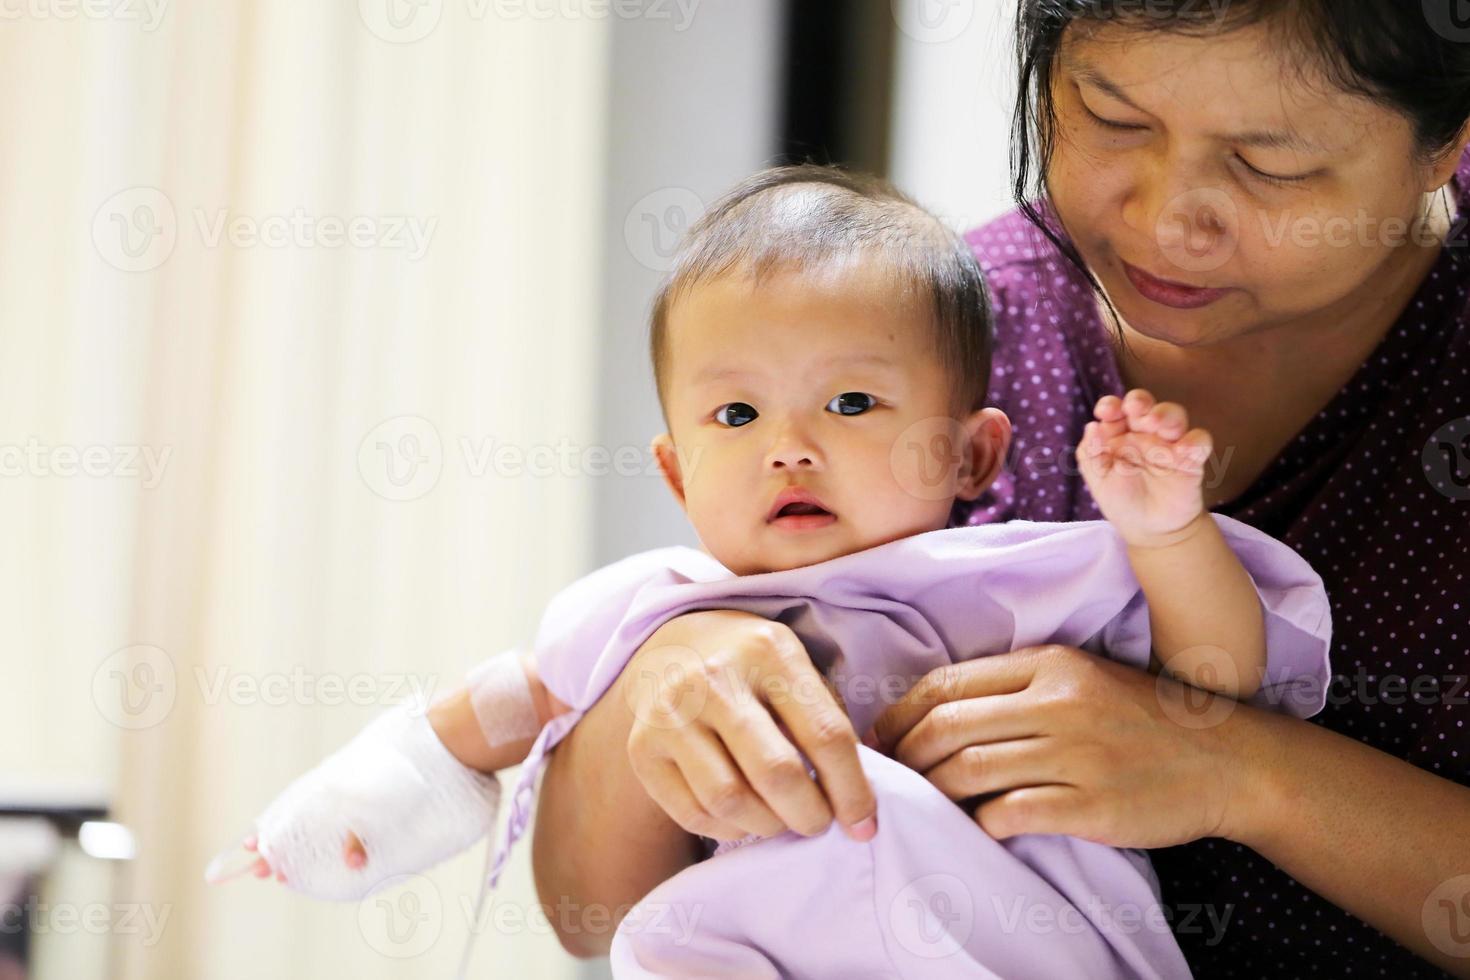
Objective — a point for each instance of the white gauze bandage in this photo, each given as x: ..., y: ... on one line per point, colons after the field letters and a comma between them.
x: 502, y: 699
x: 395, y: 785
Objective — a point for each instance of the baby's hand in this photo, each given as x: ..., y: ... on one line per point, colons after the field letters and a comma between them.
x: 1144, y: 466
x: 353, y: 855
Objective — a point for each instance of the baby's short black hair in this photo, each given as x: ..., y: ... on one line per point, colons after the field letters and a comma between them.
x: 807, y: 216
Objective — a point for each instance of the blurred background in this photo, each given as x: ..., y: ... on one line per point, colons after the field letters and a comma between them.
x: 323, y: 366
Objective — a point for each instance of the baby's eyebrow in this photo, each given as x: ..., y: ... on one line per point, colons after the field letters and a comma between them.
x: 716, y: 372
x: 865, y: 360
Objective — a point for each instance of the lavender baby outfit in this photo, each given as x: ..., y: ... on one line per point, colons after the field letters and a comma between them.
x: 932, y: 895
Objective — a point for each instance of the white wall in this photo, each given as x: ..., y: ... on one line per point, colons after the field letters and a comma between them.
x: 953, y: 96
x: 689, y: 115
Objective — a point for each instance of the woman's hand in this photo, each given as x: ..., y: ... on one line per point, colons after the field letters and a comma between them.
x: 684, y: 713
x: 722, y: 702
x: 1076, y: 744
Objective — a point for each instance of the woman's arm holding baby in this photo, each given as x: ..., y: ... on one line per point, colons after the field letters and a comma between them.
x: 1065, y: 742
x: 699, y: 735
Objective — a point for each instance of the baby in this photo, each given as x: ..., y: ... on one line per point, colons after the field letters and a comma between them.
x: 821, y: 352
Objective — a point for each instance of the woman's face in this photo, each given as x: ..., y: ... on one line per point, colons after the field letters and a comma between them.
x: 1217, y: 189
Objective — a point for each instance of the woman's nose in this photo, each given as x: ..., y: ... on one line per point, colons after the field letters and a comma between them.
x: 1191, y: 222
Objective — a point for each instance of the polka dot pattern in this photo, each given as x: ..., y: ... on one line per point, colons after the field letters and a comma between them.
x: 1351, y: 493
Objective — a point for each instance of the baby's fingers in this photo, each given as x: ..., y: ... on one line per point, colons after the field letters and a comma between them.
x: 1168, y: 420
x: 1137, y: 404
x: 353, y: 852
x: 261, y: 868
x: 1195, y: 448
x: 1109, y: 408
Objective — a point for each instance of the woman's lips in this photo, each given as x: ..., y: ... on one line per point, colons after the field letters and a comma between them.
x: 1172, y: 294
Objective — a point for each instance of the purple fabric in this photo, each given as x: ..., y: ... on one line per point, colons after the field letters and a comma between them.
x: 932, y: 894
x: 1374, y: 492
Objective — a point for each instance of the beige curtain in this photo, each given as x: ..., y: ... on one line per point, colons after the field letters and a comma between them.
x: 297, y: 308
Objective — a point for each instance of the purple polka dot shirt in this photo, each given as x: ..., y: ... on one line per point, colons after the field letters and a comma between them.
x: 1374, y: 492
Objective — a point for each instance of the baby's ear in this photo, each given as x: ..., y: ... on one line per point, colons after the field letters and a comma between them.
x: 668, y: 464
x: 985, y: 449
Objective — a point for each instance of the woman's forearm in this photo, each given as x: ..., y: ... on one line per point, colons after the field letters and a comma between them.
x: 600, y: 842
x: 1368, y: 832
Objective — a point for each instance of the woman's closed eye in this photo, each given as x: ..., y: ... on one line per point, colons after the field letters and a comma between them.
x: 1272, y: 178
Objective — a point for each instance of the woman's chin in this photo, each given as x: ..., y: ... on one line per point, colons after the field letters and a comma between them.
x: 1180, y: 328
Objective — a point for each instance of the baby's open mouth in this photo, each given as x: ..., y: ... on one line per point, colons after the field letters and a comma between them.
x: 791, y: 510
x: 797, y: 508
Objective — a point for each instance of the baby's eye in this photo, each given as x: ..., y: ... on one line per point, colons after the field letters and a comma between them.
x: 852, y: 403
x: 735, y: 414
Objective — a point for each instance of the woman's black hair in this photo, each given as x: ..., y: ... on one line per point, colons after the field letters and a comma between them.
x: 1412, y: 56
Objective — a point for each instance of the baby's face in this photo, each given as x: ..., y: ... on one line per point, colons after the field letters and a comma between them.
x: 822, y: 381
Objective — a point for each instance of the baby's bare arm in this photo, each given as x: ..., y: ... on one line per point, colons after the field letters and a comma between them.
x: 454, y: 720
x: 1204, y: 613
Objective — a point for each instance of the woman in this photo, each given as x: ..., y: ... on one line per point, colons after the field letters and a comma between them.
x: 1271, y: 198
